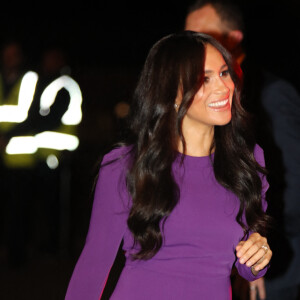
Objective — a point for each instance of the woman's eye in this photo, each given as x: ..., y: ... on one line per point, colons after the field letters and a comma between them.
x: 224, y: 73
x: 206, y: 79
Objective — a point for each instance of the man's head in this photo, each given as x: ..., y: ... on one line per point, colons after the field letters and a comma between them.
x: 11, y: 56
x: 221, y: 19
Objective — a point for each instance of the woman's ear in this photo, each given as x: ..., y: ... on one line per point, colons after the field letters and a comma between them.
x: 178, y: 98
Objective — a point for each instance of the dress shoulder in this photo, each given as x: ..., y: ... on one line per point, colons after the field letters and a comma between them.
x: 116, y: 154
x: 117, y: 158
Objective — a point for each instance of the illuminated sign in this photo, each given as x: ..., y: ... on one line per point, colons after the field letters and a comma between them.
x: 19, y: 113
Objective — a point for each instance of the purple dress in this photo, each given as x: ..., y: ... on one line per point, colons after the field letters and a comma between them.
x: 198, y: 251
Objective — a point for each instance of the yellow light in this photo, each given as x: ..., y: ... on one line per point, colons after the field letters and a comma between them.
x: 18, y: 113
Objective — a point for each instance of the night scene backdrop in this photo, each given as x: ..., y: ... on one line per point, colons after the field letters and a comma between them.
x: 106, y: 43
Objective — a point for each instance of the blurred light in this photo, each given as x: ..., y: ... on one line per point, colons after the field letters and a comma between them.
x: 18, y: 113
x: 73, y: 114
x: 56, y: 140
x: 52, y: 161
x: 121, y: 109
x: 46, y: 139
x: 21, y: 145
x: 44, y: 112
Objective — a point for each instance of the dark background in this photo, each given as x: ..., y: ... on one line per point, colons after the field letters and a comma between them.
x: 106, y: 43
x: 118, y: 33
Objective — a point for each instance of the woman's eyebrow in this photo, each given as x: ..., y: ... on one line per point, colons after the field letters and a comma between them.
x: 224, y: 66
x: 207, y: 72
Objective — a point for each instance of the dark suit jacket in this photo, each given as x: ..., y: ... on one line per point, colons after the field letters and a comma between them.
x: 275, y: 106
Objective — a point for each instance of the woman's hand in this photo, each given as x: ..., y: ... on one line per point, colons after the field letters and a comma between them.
x: 255, y: 252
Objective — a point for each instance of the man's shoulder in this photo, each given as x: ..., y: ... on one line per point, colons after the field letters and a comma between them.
x: 279, y: 92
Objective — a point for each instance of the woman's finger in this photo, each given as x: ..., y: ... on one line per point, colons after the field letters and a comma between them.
x: 239, y: 245
x: 259, y: 256
x: 247, y: 244
x: 255, y: 258
x: 253, y: 250
x: 262, y: 264
x: 250, y: 247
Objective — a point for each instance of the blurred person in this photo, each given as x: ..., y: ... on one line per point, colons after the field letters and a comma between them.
x: 49, y: 135
x: 16, y: 195
x: 12, y: 75
x: 12, y: 70
x: 51, y: 166
x: 186, y: 192
x: 274, y: 105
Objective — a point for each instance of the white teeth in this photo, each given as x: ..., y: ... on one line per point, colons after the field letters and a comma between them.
x: 218, y: 103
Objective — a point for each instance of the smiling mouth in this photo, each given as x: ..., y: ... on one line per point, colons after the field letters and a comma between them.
x: 218, y: 104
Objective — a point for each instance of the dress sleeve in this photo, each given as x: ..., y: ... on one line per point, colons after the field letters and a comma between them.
x: 242, y: 269
x: 106, y: 230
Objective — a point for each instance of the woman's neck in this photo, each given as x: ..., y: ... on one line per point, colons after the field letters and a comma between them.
x: 198, y: 142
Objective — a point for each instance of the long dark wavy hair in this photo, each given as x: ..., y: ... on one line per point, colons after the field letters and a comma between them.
x: 178, y: 61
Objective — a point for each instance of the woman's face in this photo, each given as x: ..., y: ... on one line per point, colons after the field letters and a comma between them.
x: 212, y: 103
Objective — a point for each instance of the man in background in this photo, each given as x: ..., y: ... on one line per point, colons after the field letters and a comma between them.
x: 274, y: 105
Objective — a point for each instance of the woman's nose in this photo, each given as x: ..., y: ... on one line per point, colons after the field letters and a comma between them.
x: 221, y: 86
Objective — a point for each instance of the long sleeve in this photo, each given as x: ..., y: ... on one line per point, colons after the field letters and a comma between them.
x: 106, y: 230
x: 242, y: 269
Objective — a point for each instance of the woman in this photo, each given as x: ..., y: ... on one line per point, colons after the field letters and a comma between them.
x: 186, y: 196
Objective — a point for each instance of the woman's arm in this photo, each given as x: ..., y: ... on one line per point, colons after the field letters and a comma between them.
x: 106, y: 230
x: 254, y: 254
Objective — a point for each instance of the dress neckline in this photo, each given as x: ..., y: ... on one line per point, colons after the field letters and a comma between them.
x: 194, y: 162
